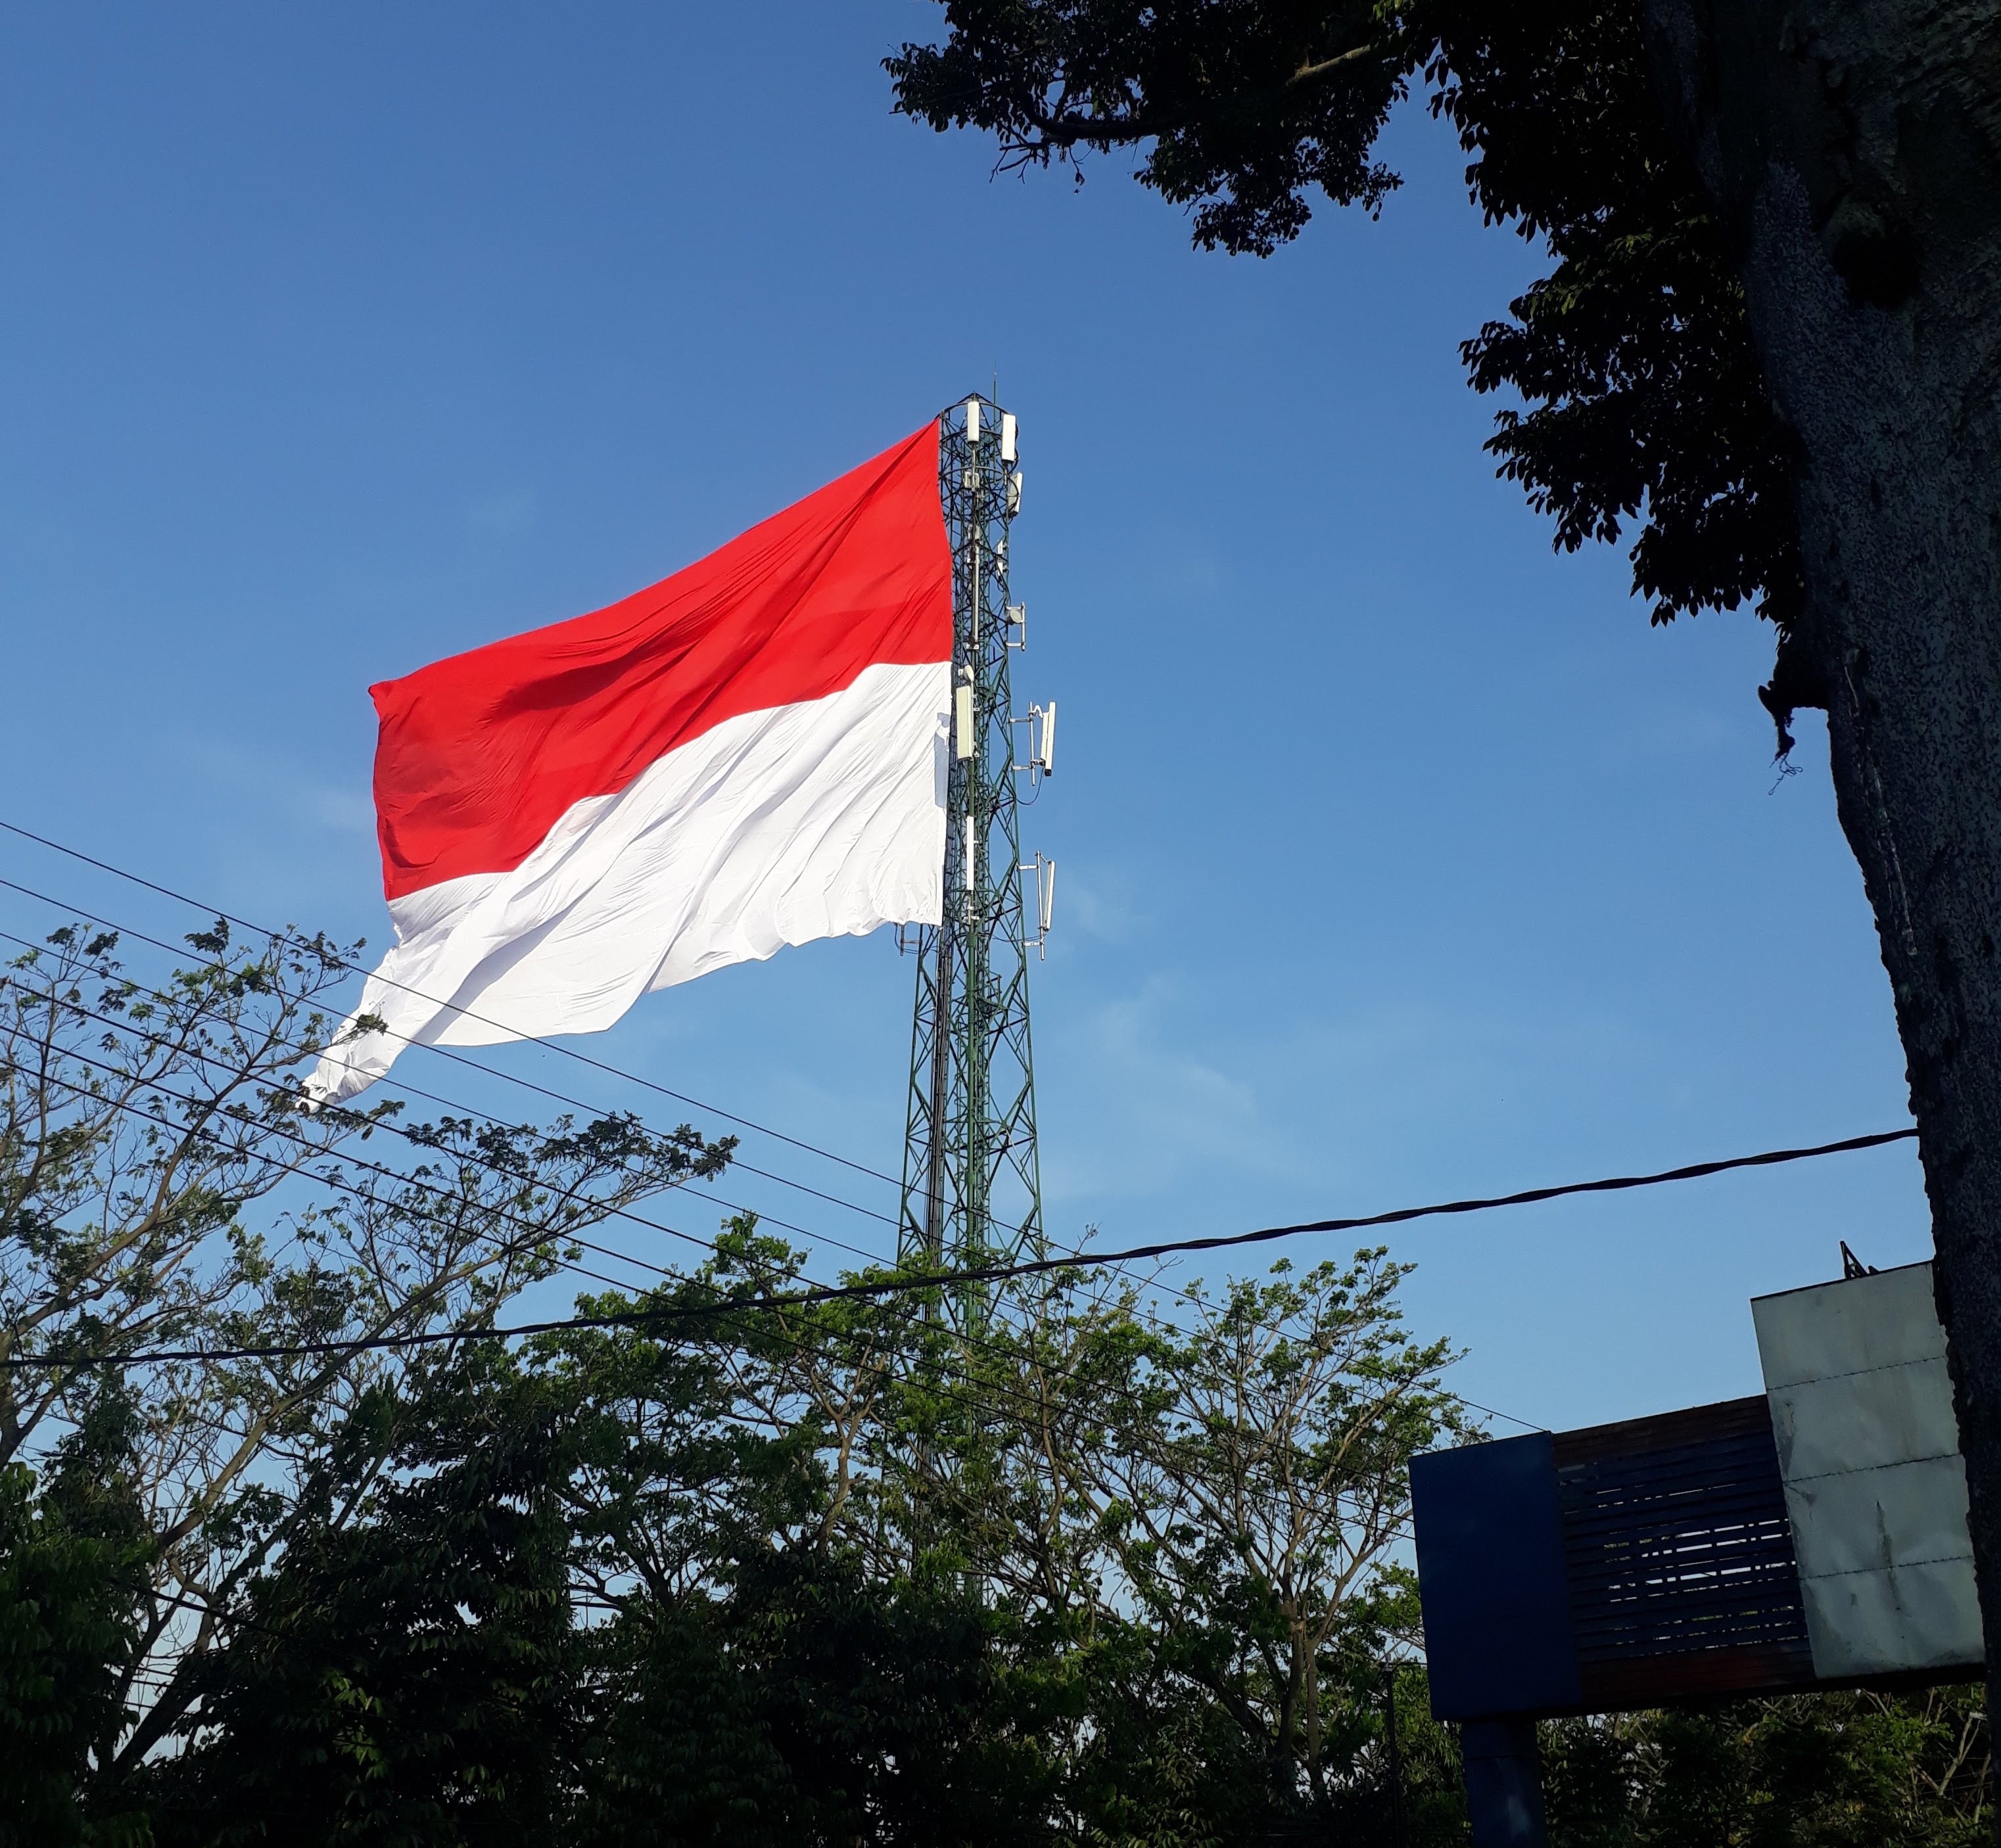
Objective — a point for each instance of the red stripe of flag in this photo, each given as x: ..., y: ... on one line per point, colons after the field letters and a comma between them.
x: 479, y: 755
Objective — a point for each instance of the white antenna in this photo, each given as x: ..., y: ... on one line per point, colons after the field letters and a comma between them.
x: 1046, y: 756
x: 1018, y: 614
x: 962, y: 717
x: 1007, y: 435
x: 1045, y: 871
x: 1015, y: 493
x: 972, y: 420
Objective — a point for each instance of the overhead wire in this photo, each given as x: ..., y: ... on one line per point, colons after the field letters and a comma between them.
x: 1178, y: 1292
x: 124, y: 930
x: 987, y: 1389
x: 722, y: 1310
x: 410, y: 1090
x: 133, y: 1030
x: 571, y: 1237
x: 551, y: 1045
x: 474, y: 1064
x: 865, y: 1289
x: 861, y: 1288
x: 1074, y: 1257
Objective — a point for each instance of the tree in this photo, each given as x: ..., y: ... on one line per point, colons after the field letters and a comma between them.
x: 710, y: 1566
x: 145, y: 1127
x: 1083, y: 1569
x: 398, y: 1675
x: 70, y: 1585
x: 1856, y: 1770
x: 1084, y: 1574
x: 1204, y: 1503
x: 1772, y: 338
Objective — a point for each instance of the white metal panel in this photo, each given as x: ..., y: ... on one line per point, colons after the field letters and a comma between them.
x: 1848, y: 1327
x: 1860, y: 1420
x: 1875, y: 1487
x: 1915, y: 1617
x: 1869, y: 1520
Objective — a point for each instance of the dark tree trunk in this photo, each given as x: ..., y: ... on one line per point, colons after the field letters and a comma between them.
x: 1854, y: 148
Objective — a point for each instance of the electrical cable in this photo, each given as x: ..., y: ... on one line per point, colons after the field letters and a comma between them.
x: 114, y: 925
x: 1072, y: 1258
x: 569, y: 1052
x: 490, y: 1072
x: 784, y: 1180
x: 980, y: 1274
x: 866, y: 1289
x: 391, y: 1127
x: 723, y: 1308
x: 826, y: 1292
x: 989, y: 1386
x: 982, y: 1395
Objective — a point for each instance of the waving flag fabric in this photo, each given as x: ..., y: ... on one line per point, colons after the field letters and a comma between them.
x: 749, y: 754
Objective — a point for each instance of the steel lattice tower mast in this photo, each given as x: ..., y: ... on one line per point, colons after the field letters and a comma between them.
x: 971, y: 1179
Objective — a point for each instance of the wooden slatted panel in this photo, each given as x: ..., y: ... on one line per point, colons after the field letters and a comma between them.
x: 1676, y: 1545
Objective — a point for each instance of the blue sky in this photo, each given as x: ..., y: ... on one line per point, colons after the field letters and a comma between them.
x: 1401, y: 859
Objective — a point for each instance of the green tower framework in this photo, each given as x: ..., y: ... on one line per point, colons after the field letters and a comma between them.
x: 972, y: 1189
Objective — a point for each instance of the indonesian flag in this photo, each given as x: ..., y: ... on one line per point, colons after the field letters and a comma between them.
x: 753, y: 753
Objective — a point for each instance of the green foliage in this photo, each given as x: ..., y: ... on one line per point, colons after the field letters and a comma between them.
x: 1248, y: 104
x: 160, y: 1187
x: 1840, y: 1770
x: 758, y: 1575
x: 1645, y: 401
x: 1634, y: 354
x: 1065, y: 1560
x: 399, y: 1676
x: 67, y: 1596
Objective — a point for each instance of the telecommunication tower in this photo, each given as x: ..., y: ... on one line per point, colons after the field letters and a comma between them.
x: 973, y: 1191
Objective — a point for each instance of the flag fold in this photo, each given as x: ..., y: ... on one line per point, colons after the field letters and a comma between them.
x: 749, y: 754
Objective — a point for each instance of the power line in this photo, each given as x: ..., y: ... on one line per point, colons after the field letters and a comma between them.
x: 1770, y: 1157
x: 864, y: 1289
x: 625, y: 1213
x: 158, y: 1088
x: 568, y: 1236
x: 526, y: 1084
x: 987, y: 1273
x: 991, y: 1390
x: 1074, y: 1258
x: 154, y: 1085
x: 1069, y: 1259
x: 542, y: 1090
x: 785, y: 1180
x: 569, y: 1052
x: 410, y: 1090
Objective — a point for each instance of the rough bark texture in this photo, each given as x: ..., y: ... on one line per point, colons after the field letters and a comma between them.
x: 1853, y: 147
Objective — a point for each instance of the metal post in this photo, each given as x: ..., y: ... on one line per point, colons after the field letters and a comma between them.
x: 934, y: 1244
x: 1503, y: 1783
